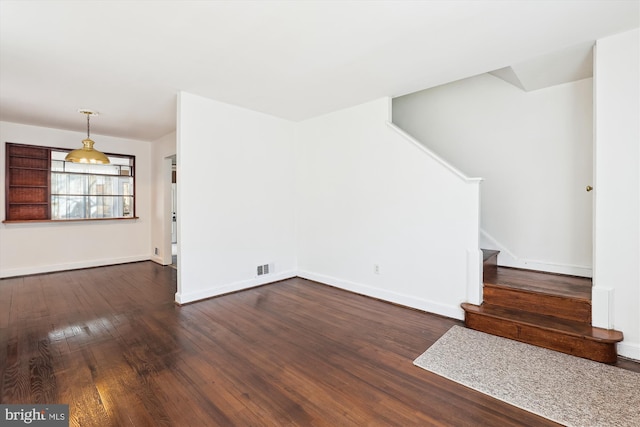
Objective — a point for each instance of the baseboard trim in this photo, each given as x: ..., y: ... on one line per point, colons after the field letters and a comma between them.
x: 158, y: 260
x: 410, y: 301
x: 233, y: 287
x: 630, y: 350
x: 51, y: 268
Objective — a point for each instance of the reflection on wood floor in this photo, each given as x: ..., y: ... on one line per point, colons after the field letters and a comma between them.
x: 110, y: 342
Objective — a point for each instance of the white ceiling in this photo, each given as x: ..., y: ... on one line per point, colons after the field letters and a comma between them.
x: 562, y: 66
x: 292, y: 59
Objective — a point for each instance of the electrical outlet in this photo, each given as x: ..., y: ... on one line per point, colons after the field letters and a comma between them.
x: 376, y: 269
x: 156, y: 252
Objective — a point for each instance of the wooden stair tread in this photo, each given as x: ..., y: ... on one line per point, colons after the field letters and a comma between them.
x: 540, y: 291
x: 562, y: 326
x: 547, y: 310
x: 537, y: 281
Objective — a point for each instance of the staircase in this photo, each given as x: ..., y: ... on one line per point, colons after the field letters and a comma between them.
x: 544, y: 309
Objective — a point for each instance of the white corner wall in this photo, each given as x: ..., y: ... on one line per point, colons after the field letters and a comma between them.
x: 161, y: 151
x: 616, y: 296
x: 534, y: 152
x: 44, y: 247
x: 235, y: 198
x: 369, y: 197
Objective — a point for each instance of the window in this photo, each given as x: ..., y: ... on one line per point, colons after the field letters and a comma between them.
x: 42, y: 186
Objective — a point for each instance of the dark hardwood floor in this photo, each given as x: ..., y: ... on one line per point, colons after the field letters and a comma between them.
x: 111, y: 343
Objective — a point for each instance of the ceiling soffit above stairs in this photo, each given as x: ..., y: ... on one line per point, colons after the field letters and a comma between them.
x: 563, y: 66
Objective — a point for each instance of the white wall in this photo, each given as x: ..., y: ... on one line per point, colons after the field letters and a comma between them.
x: 534, y: 151
x: 42, y: 247
x: 369, y: 197
x: 616, y: 293
x: 235, y: 197
x: 161, y: 150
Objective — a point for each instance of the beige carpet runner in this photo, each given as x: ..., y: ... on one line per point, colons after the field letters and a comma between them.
x: 565, y: 389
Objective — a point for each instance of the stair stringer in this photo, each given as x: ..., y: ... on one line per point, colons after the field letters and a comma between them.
x: 509, y: 259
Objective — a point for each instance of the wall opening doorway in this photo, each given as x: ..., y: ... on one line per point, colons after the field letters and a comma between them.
x: 174, y: 214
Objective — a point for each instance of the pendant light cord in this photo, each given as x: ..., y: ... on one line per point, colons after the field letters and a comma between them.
x: 88, y: 125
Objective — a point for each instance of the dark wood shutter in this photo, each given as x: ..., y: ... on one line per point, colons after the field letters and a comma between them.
x: 28, y: 175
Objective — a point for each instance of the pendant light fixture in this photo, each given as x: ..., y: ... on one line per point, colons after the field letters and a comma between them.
x: 87, y: 154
